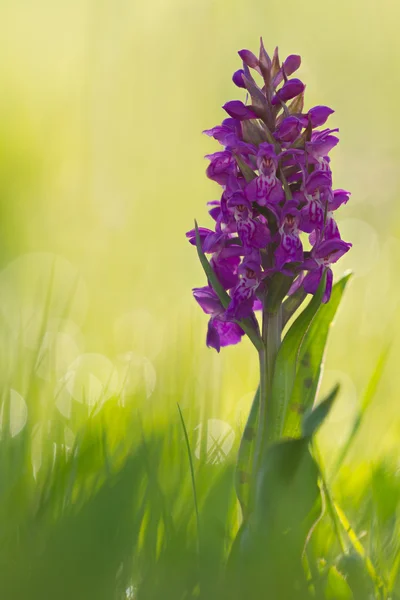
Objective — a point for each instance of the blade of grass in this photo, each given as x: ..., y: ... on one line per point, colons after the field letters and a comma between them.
x: 365, y: 403
x: 189, y: 453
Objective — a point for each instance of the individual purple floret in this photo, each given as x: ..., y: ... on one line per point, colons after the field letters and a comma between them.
x: 221, y: 332
x: 275, y: 173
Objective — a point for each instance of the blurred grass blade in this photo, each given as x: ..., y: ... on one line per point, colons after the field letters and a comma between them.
x: 189, y: 453
x: 337, y: 587
x: 286, y: 365
x: 365, y: 403
x: 310, y: 361
x: 244, y: 465
x: 359, y: 548
x: 340, y: 522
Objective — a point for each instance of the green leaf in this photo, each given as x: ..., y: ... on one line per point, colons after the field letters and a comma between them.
x: 310, y: 361
x: 337, y: 587
x: 286, y: 365
x: 291, y: 304
x: 192, y: 475
x: 244, y: 465
x: 209, y: 271
x: 286, y: 505
x: 314, y: 419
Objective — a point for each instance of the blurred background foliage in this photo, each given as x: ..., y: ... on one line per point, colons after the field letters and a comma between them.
x: 101, y: 173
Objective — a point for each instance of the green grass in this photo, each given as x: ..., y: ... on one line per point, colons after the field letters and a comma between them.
x: 129, y: 498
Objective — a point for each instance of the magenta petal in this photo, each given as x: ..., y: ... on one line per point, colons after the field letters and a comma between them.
x: 221, y: 166
x: 291, y: 64
x: 331, y: 229
x: 238, y: 110
x: 319, y: 115
x: 226, y: 269
x: 339, y: 197
x: 213, y: 339
x: 328, y: 288
x: 203, y: 234
x: 297, y: 283
x: 229, y: 333
x: 224, y: 134
x: 208, y: 300
x: 312, y: 216
x: 249, y: 58
x: 321, y: 148
x: 261, y: 235
x: 288, y: 130
x: 289, y: 90
x: 258, y: 305
x: 318, y: 179
x: 331, y: 250
x: 237, y: 78
x: 241, y: 305
x: 311, y: 280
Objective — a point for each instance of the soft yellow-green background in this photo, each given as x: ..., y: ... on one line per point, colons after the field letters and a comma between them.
x: 102, y: 105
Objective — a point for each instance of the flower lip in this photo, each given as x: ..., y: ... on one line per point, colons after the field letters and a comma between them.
x: 329, y: 251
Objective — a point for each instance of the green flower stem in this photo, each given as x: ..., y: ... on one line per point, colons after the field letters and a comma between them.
x: 271, y: 336
x: 272, y: 333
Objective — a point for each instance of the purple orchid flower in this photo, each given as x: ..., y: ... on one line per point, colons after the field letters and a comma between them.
x: 227, y: 134
x: 319, y: 146
x: 288, y: 130
x: 219, y: 332
x: 275, y: 172
x: 312, y: 214
x: 290, y: 248
x: 225, y: 264
x: 221, y: 166
x: 317, y: 116
x: 339, y: 197
x: 266, y: 188
x: 323, y: 255
x: 244, y: 294
x: 252, y: 232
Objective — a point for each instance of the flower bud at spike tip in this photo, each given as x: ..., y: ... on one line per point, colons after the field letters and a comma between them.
x: 291, y: 64
x: 238, y: 110
x: 276, y: 194
x: 237, y: 78
x: 248, y: 58
x: 289, y: 90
